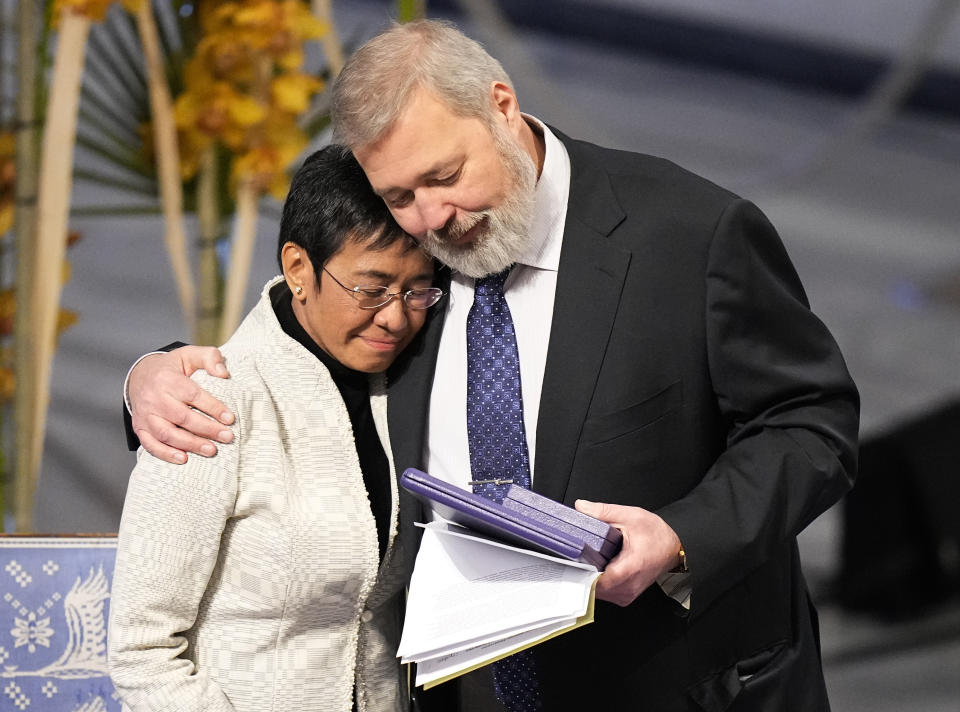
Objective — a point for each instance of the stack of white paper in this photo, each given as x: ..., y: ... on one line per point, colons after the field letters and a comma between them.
x: 473, y: 600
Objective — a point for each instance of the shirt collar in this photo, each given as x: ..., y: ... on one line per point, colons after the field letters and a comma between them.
x: 550, y: 202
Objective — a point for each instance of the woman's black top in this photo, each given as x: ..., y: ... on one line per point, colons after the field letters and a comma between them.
x: 355, y: 390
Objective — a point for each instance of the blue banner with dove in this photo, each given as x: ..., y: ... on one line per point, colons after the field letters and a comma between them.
x: 54, y: 607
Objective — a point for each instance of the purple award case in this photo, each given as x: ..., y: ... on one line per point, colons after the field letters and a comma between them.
x: 489, y: 517
x: 599, y: 535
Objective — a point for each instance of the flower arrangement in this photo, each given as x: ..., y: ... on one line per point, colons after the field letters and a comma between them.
x: 207, y: 114
x: 244, y: 92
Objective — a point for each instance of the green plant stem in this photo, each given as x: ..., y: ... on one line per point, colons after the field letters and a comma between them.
x: 210, y: 284
x: 43, y: 52
x: 408, y: 10
x: 29, y: 80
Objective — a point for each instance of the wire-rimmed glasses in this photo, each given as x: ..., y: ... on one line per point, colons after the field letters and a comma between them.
x: 372, y: 296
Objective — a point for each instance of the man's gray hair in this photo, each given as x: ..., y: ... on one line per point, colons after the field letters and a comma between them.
x: 379, y: 79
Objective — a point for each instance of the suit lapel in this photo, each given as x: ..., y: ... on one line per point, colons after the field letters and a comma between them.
x: 408, y: 397
x: 410, y: 380
x: 589, y: 283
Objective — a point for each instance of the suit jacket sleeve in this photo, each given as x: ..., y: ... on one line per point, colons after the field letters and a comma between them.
x: 787, y: 401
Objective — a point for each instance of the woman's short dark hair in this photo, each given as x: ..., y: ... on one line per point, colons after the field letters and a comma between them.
x: 331, y: 201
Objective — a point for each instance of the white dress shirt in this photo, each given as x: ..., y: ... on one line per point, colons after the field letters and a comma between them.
x: 529, y: 291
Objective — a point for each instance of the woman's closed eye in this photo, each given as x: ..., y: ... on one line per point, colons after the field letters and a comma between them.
x: 370, y: 291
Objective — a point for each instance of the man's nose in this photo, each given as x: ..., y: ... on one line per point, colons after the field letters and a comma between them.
x: 436, y: 214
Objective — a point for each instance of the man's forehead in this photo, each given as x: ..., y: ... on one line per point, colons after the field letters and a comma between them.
x: 425, y: 138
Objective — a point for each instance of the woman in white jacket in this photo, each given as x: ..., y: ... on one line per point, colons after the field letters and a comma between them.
x: 264, y: 578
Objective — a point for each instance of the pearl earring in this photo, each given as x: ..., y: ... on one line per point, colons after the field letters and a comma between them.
x: 299, y: 291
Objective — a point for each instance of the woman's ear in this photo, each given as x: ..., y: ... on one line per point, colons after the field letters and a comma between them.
x: 297, y: 270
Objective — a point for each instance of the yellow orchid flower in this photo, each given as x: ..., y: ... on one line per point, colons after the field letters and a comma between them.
x: 279, y: 26
x: 197, y: 77
x: 236, y: 139
x: 265, y: 165
x: 225, y: 55
x: 6, y: 216
x: 214, y: 111
x: 65, y: 319
x: 8, y: 310
x: 8, y: 179
x: 258, y: 13
x: 291, y: 60
x: 8, y: 304
x: 281, y: 130
x: 8, y: 384
x: 244, y: 88
x: 306, y: 25
x: 216, y: 15
x: 257, y: 166
x: 95, y: 10
x: 292, y: 92
x: 244, y: 110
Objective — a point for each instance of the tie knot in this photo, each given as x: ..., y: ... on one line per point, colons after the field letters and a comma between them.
x: 492, y: 284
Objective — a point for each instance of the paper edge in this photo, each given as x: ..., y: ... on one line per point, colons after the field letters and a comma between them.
x: 583, y: 620
x: 440, y: 526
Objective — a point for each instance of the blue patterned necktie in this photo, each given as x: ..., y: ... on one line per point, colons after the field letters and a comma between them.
x: 498, y: 445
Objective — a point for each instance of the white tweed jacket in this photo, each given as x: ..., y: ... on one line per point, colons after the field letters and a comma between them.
x: 251, y: 580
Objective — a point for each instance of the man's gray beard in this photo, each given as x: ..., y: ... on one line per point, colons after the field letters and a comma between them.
x: 506, y: 236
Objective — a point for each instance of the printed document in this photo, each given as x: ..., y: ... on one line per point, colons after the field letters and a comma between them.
x: 474, y: 600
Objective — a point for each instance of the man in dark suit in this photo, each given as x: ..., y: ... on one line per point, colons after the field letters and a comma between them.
x: 677, y: 384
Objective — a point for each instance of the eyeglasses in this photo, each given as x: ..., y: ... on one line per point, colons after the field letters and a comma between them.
x: 371, y: 296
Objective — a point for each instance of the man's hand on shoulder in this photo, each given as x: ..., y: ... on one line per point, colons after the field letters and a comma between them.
x: 650, y: 549
x: 171, y: 414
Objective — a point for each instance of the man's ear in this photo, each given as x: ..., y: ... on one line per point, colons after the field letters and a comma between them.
x: 297, y: 270
x: 505, y: 103
x: 506, y: 113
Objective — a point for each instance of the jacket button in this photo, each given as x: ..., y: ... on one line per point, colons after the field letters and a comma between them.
x: 366, y: 616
